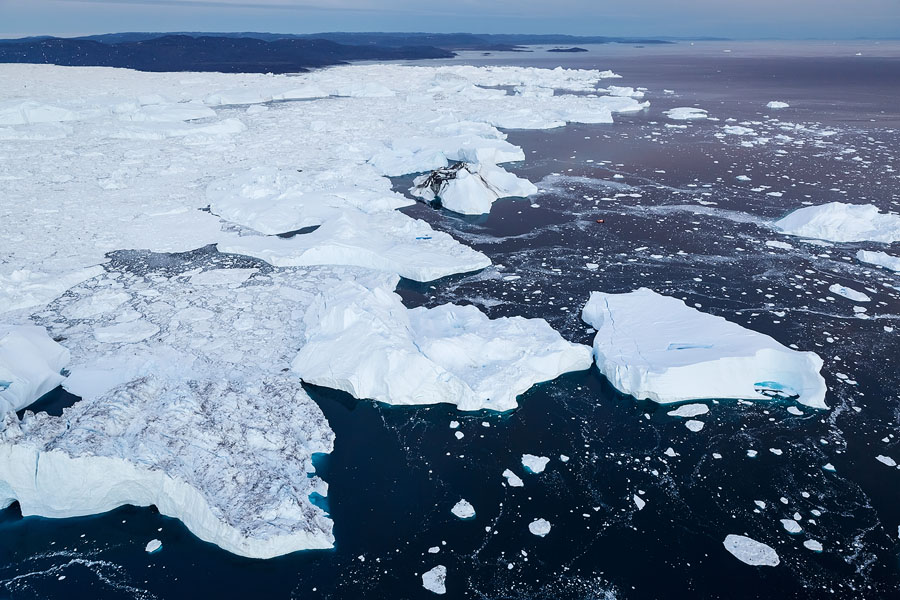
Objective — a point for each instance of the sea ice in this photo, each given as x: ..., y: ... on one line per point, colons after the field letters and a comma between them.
x: 694, y: 425
x: 848, y: 293
x: 841, y: 222
x: 435, y: 580
x: 656, y: 347
x: 539, y: 527
x: 685, y: 113
x: 791, y: 526
x: 470, y: 189
x: 153, y: 546
x: 689, y: 410
x: 751, y: 552
x: 534, y: 464
x: 512, y: 479
x: 31, y: 365
x: 463, y: 510
x: 449, y: 353
x: 881, y: 259
x: 777, y: 104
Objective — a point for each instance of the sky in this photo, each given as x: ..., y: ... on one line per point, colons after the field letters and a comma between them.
x: 825, y: 19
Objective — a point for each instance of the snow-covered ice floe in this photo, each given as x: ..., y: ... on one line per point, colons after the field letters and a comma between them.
x: 470, y: 189
x: 656, y: 347
x: 686, y: 113
x: 776, y: 104
x: 842, y: 222
x: 749, y: 551
x: 31, y: 365
x: 879, y: 259
x: 365, y: 342
x: 435, y: 580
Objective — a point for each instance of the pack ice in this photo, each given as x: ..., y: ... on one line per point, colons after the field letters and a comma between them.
x: 842, y: 222
x: 365, y: 342
x: 656, y: 347
x: 180, y: 415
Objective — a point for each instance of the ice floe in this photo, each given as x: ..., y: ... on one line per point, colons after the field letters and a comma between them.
x: 31, y: 365
x: 751, y: 552
x: 539, y: 527
x: 449, y: 353
x: 880, y: 259
x: 777, y: 104
x: 463, y: 510
x: 656, y: 347
x: 435, y: 580
x: 686, y: 113
x: 534, y: 464
x: 842, y: 222
x: 512, y: 479
x: 849, y: 293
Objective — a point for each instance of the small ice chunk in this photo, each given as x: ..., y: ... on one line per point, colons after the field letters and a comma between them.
x: 694, y: 425
x: 689, y: 410
x: 751, y: 552
x: 539, y: 527
x: 776, y: 104
x: 639, y: 502
x: 435, y: 580
x: 434, y: 550
x: 791, y: 526
x: 813, y: 545
x: 534, y: 464
x: 463, y: 510
x: 153, y: 546
x: 686, y: 113
x: 512, y: 479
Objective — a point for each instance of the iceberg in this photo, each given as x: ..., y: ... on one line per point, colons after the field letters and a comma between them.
x: 842, y: 222
x: 686, y: 113
x: 534, y: 464
x: 751, y: 552
x: 470, y: 189
x: 848, y: 293
x: 214, y: 433
x: 366, y: 343
x: 539, y: 527
x: 463, y: 510
x: 656, y: 347
x: 879, y: 259
x: 435, y: 580
x: 31, y: 365
x: 777, y: 104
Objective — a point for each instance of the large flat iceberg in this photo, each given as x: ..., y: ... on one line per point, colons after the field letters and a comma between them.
x: 365, y: 342
x: 656, y: 347
x: 842, y: 222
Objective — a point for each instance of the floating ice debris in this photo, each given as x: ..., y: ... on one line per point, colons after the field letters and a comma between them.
x: 512, y: 479
x: 777, y: 104
x: 791, y: 526
x: 881, y: 259
x: 435, y: 580
x: 563, y: 458
x: 639, y: 502
x: 848, y: 293
x: 694, y: 425
x: 777, y: 244
x: 31, y: 365
x: 829, y: 467
x: 656, y: 347
x: 886, y: 460
x: 841, y: 222
x: 470, y: 189
x: 813, y: 545
x: 153, y: 546
x: 794, y: 411
x: 742, y: 178
x: 463, y: 510
x: 689, y: 410
x: 534, y: 464
x: 539, y: 527
x: 449, y: 353
x: 751, y: 552
x: 685, y: 113
x: 434, y: 550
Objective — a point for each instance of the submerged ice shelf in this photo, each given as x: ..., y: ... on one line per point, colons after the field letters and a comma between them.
x: 656, y: 347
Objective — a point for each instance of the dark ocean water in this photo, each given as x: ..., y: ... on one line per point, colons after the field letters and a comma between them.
x: 678, y: 221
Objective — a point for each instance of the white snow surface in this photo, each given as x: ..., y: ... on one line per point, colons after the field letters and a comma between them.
x: 656, y: 347
x: 474, y: 188
x: 365, y: 342
x: 435, y: 580
x: 110, y: 159
x: 751, y: 552
x: 842, y: 222
x: 30, y: 365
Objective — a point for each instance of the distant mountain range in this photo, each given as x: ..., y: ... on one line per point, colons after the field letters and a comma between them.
x: 250, y: 52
